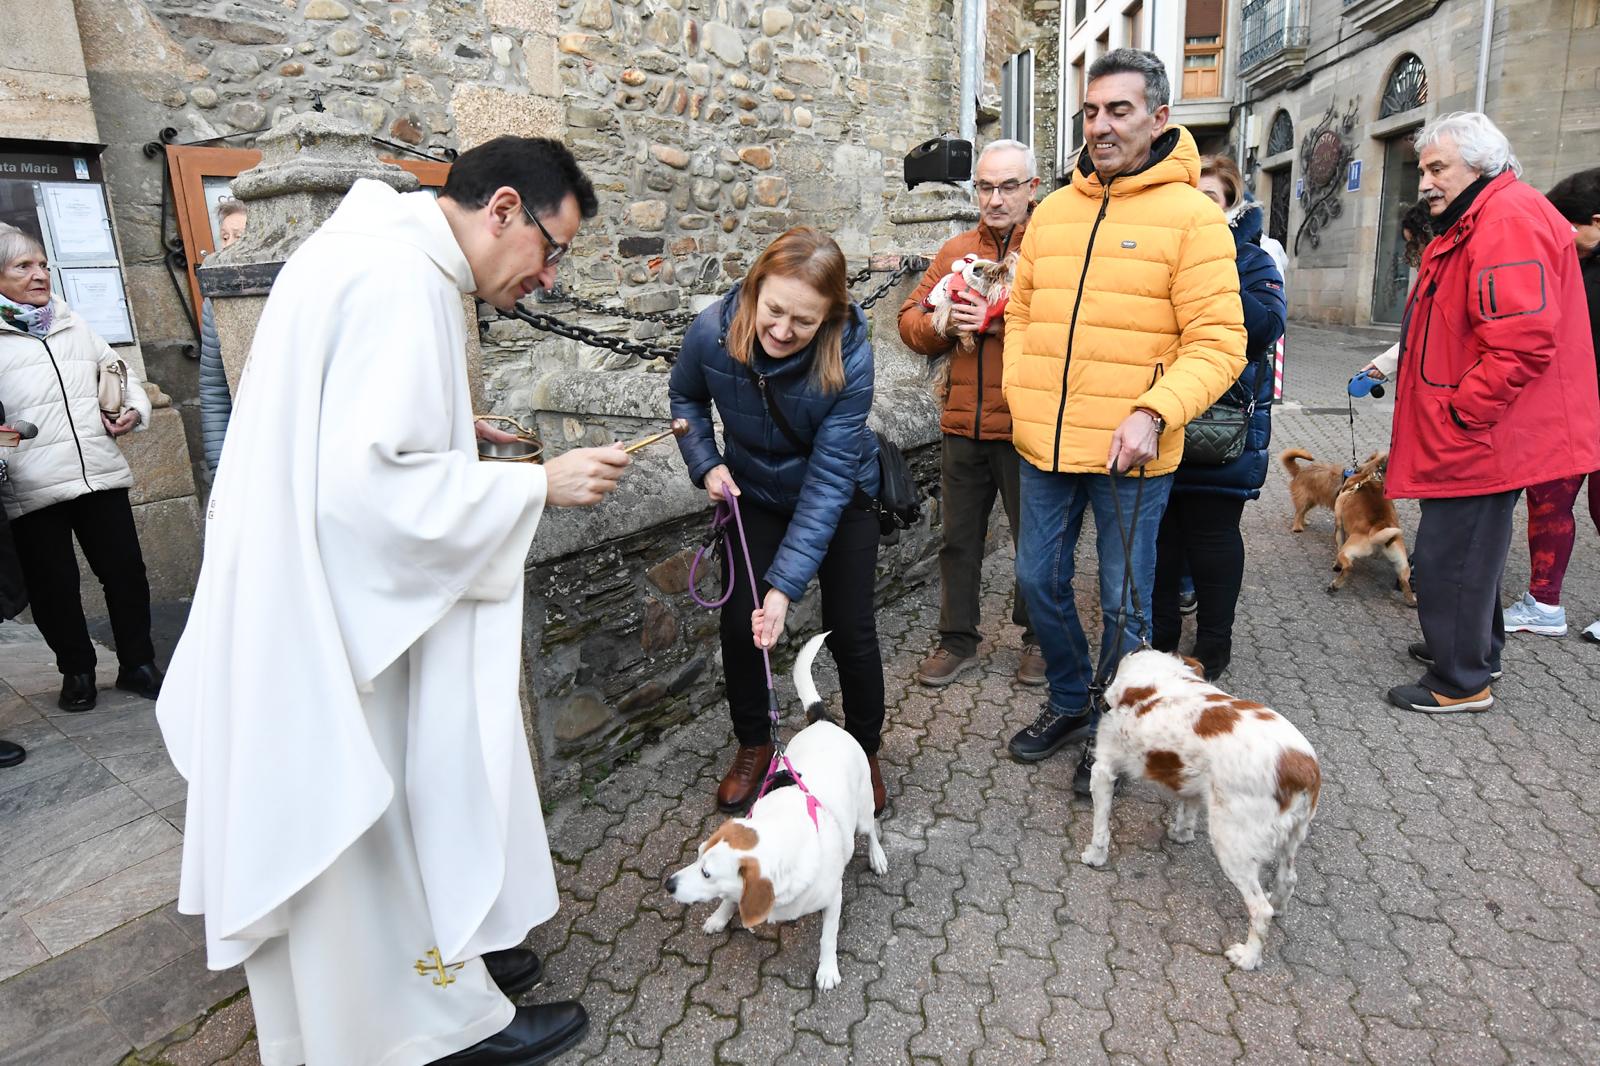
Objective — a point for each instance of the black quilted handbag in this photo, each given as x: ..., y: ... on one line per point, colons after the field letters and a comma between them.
x: 1217, y: 436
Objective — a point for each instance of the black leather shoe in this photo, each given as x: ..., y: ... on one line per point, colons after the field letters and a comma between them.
x: 11, y: 754
x: 515, y: 970
x: 143, y: 680
x: 77, y: 692
x: 537, y: 1034
x: 1049, y: 733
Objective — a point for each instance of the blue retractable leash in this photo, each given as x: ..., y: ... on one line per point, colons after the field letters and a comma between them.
x: 727, y: 513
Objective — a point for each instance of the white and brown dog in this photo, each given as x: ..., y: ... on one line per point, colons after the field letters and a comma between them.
x: 1255, y: 772
x: 787, y: 859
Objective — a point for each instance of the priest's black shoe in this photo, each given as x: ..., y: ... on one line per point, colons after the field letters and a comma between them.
x: 11, y: 754
x: 77, y: 692
x: 143, y: 680
x: 515, y: 970
x: 537, y: 1034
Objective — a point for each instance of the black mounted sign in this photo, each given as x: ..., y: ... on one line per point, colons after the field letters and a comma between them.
x: 30, y: 160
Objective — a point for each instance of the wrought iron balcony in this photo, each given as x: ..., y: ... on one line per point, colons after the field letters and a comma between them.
x: 1276, y: 37
x: 1288, y: 38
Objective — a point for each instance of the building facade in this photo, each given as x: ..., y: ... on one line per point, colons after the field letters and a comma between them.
x: 1331, y: 92
x: 1197, y: 40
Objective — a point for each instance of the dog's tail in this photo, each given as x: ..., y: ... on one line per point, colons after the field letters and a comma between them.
x: 803, y: 683
x: 1290, y: 458
x: 1385, y: 536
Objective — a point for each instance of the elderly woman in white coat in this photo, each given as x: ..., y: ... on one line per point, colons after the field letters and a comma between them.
x: 71, y: 479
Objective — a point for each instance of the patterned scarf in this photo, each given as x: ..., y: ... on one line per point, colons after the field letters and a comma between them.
x: 36, y: 320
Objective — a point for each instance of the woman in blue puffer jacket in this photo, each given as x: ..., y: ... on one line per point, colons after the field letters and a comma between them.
x: 1200, y: 530
x: 786, y: 361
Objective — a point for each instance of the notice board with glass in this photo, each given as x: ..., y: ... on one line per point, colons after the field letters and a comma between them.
x: 55, y: 192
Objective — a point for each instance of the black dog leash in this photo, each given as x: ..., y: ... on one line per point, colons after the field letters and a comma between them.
x: 1130, y: 590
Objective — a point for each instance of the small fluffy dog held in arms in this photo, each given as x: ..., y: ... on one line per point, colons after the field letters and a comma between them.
x: 786, y: 859
x: 1255, y: 772
x: 1364, y: 519
x: 985, y: 278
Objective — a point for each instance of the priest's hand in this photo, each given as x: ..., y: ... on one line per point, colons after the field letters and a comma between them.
x: 766, y: 621
x: 719, y: 484
x: 583, y: 477
x: 487, y: 432
x: 122, y: 423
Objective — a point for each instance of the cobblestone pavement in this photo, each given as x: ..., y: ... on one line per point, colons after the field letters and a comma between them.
x: 1448, y: 909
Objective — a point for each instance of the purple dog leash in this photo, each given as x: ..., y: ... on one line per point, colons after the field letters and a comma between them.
x: 727, y: 513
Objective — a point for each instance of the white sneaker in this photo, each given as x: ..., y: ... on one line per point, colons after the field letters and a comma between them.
x: 1592, y: 633
x: 1528, y: 615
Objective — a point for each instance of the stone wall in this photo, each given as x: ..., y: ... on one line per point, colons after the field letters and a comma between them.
x: 1542, y: 92
x: 709, y: 126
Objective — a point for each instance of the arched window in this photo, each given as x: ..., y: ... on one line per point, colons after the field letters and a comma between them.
x: 1406, y: 88
x: 1280, y: 138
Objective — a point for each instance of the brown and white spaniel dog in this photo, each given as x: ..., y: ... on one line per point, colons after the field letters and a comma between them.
x: 787, y: 859
x: 1254, y: 771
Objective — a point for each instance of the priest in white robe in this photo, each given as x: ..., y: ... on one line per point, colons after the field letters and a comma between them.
x: 364, y: 832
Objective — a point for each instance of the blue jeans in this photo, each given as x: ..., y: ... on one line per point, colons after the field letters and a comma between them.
x: 1052, y: 517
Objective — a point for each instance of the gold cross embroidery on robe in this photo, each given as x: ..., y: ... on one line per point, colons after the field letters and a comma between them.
x: 433, y: 965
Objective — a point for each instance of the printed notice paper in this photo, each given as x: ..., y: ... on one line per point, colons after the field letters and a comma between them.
x: 79, y: 228
x: 96, y: 293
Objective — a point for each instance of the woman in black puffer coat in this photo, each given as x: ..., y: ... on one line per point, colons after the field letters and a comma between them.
x: 786, y: 355
x: 1200, y: 529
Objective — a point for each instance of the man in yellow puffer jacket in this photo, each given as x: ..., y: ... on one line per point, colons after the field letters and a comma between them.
x: 1124, y: 324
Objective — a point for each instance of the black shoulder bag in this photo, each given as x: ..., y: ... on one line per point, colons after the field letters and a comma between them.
x: 899, y: 501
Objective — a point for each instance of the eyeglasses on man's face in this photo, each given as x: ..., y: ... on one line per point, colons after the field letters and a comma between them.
x: 555, y: 250
x: 987, y: 189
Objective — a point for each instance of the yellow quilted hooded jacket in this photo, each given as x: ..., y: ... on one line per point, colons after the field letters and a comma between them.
x: 1126, y: 296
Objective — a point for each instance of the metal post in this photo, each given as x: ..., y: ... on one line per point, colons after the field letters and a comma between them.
x: 969, y: 71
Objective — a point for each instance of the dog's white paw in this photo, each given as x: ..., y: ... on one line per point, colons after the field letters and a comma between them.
x: 1093, y: 855
x: 828, y: 974
x: 1244, y: 956
x: 716, y: 923
x: 877, y: 859
x: 1180, y: 836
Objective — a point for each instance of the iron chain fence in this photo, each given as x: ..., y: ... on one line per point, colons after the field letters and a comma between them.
x: 678, y: 320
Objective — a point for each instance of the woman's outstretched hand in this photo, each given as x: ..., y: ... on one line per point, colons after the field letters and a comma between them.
x: 766, y: 622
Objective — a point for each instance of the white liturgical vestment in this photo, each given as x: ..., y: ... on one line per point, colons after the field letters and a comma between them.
x: 362, y: 571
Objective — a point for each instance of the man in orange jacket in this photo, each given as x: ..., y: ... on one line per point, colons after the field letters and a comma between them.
x: 977, y: 461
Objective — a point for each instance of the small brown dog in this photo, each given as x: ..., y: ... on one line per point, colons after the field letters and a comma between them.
x: 1311, y: 486
x: 1364, y: 519
x: 1364, y: 522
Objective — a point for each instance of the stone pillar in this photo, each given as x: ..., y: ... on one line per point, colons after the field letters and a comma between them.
x: 923, y: 219
x: 308, y: 163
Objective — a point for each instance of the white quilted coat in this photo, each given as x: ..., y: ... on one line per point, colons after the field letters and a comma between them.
x: 54, y: 383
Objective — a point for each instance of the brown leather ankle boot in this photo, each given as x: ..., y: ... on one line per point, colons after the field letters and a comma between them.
x: 744, y: 778
x: 880, y: 796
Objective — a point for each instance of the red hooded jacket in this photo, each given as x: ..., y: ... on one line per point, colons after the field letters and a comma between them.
x: 1496, y: 384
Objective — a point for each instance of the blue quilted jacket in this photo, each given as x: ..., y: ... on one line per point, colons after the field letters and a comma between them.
x: 1261, y: 292
x: 815, y: 489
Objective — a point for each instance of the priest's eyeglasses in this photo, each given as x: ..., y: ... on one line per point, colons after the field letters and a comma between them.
x: 555, y: 250
x: 987, y: 189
